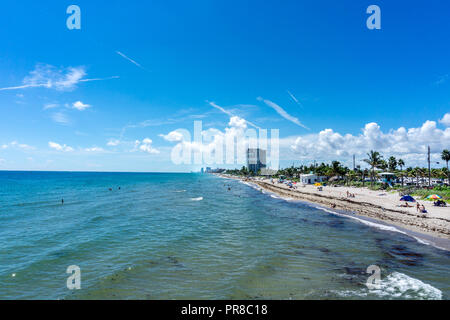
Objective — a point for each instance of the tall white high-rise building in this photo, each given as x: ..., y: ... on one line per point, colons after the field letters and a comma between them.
x: 256, y: 159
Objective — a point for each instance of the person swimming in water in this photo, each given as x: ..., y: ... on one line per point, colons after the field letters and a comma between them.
x: 62, y: 201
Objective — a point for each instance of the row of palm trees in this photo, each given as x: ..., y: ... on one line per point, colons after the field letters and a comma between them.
x: 375, y: 161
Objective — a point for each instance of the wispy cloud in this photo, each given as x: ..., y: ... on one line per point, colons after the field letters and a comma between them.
x: 282, y: 112
x: 60, y: 118
x: 50, y: 77
x: 130, y: 60
x: 94, y: 149
x: 295, y: 99
x: 441, y: 80
x: 161, y: 122
x: 50, y: 106
x: 113, y: 143
x: 229, y: 113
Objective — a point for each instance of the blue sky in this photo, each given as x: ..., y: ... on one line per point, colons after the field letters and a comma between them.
x: 137, y: 71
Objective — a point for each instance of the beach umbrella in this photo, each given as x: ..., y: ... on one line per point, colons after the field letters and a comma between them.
x: 318, y: 184
x: 434, y: 197
x: 407, y: 198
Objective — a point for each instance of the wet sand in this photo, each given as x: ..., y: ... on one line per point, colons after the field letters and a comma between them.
x: 378, y: 205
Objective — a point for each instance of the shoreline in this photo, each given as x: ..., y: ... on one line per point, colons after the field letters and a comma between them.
x: 431, y: 228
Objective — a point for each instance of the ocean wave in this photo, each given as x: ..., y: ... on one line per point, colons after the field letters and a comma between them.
x: 197, y: 199
x: 398, y: 286
x: 178, y: 191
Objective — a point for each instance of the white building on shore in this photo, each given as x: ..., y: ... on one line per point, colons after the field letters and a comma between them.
x: 311, y: 178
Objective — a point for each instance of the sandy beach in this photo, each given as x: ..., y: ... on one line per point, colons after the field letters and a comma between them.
x: 379, y: 205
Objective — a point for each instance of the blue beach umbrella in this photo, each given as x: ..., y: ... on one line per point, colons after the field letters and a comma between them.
x: 407, y: 198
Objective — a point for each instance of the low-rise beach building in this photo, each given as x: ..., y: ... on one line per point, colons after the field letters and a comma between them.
x: 311, y: 178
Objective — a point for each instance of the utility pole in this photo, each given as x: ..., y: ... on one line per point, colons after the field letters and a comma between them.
x: 429, y: 166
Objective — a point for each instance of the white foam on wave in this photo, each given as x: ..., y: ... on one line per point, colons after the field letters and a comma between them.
x: 381, y: 227
x: 363, y: 221
x: 197, y: 199
x: 252, y: 185
x: 368, y: 223
x: 399, y: 286
x: 180, y: 191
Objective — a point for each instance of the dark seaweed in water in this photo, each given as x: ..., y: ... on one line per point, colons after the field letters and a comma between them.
x: 354, y: 275
x: 355, y: 270
x: 175, y: 261
x: 338, y: 224
x: 405, y: 256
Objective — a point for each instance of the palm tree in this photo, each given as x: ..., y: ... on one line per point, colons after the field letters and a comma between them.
x: 446, y: 157
x: 374, y: 160
x: 383, y: 165
x: 392, y: 164
x: 401, y: 163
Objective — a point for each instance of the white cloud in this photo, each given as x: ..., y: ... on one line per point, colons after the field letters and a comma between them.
x: 59, y: 147
x: 113, y: 143
x: 218, y: 147
x: 403, y: 142
x: 50, y: 77
x: 212, y: 104
x: 50, y: 106
x: 174, y: 136
x: 80, y: 106
x: 94, y: 149
x: 445, y: 120
x: 145, y: 146
x: 16, y: 145
x: 237, y: 122
x: 282, y: 112
x: 60, y: 118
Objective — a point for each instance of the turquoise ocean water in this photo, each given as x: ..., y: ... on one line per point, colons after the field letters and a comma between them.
x: 186, y: 236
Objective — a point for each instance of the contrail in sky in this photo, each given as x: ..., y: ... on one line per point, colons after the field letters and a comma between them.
x: 295, y: 99
x: 129, y: 59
